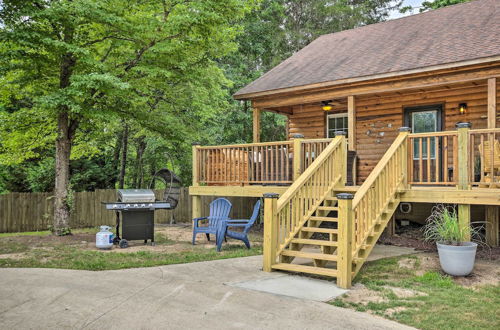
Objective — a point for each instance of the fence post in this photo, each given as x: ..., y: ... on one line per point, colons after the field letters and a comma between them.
x: 270, y: 231
x: 297, y: 153
x: 345, y: 240
x: 404, y: 160
x: 196, y: 200
x: 463, y: 175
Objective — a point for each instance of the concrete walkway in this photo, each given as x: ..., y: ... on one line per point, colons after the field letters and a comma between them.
x: 187, y: 296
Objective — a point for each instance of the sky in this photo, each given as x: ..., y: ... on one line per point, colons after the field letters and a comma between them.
x: 413, y: 3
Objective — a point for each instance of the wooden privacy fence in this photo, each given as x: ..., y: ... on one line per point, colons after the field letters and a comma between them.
x: 34, y: 211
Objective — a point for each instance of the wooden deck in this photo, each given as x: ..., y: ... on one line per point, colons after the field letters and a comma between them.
x: 456, y: 167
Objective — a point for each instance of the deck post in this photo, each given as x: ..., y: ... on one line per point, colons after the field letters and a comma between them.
x: 404, y: 159
x: 270, y: 231
x: 463, y: 175
x: 343, y: 159
x: 351, y: 122
x: 196, y: 200
x: 492, y: 212
x: 256, y: 125
x: 492, y: 225
x: 297, y: 155
x: 345, y: 240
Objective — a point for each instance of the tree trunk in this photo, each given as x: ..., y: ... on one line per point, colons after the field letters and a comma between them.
x: 123, y: 164
x: 139, y: 173
x: 66, y: 128
x: 116, y: 160
x: 63, y: 151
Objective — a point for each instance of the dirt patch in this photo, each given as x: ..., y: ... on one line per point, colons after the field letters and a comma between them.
x: 395, y: 310
x: 405, y: 293
x: 408, y: 263
x: 14, y: 256
x: 360, y: 294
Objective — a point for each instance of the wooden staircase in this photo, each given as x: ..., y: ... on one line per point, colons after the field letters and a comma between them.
x: 314, y: 229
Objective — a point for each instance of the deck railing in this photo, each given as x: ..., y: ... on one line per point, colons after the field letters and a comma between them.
x: 269, y: 163
x: 432, y: 158
x: 438, y: 158
x: 484, y: 153
x: 311, y: 149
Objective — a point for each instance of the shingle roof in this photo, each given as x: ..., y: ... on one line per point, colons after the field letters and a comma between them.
x: 456, y: 33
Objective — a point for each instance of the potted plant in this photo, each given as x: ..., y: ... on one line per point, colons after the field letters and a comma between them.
x: 456, y: 254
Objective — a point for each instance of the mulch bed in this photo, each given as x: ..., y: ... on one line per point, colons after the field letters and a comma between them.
x: 412, y: 236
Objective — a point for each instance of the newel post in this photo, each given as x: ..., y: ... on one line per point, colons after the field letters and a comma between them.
x: 196, y: 176
x: 463, y: 175
x: 270, y: 231
x: 297, y: 153
x: 343, y: 160
x: 404, y: 160
x: 345, y: 240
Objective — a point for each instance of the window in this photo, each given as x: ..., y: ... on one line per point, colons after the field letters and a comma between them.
x: 336, y: 122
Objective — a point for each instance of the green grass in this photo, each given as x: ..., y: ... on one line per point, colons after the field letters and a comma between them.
x: 73, y: 258
x: 445, y: 305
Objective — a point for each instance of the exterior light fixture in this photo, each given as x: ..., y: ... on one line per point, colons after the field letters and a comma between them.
x: 326, y: 106
x: 462, y: 107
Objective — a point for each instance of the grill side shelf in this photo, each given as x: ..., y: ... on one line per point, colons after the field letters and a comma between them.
x: 136, y: 206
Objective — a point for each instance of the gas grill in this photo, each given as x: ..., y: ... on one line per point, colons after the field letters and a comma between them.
x: 135, y: 208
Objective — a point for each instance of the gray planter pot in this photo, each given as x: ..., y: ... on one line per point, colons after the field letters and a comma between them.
x: 457, y: 260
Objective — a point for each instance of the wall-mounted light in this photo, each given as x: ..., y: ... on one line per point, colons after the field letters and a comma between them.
x: 462, y: 108
x: 325, y: 105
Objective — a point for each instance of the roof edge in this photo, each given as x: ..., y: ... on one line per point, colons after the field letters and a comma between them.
x: 339, y: 82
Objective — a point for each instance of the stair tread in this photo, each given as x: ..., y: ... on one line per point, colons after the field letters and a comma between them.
x: 328, y: 198
x: 328, y: 208
x: 309, y: 255
x: 313, y: 242
x: 320, y: 230
x: 331, y: 219
x: 306, y: 269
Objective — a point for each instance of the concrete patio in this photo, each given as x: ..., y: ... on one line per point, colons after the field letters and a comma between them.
x: 185, y: 296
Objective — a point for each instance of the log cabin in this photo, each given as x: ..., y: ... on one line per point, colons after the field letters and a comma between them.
x: 382, y: 120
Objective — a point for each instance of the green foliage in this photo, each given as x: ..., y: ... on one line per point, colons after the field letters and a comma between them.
x: 442, y: 226
x: 167, y: 69
x: 428, y: 5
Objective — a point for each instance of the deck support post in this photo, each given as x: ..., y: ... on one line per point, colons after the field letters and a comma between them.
x: 345, y: 240
x: 297, y: 153
x: 463, y: 175
x: 256, y: 125
x: 492, y: 215
x: 270, y: 231
x: 196, y: 200
x: 404, y: 159
x: 492, y: 212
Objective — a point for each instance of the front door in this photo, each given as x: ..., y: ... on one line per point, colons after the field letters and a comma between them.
x: 425, y: 119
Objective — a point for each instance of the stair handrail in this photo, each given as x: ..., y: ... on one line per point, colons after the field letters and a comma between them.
x: 299, y: 201
x: 386, y: 179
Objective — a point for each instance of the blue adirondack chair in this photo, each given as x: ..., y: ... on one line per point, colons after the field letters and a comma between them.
x: 246, y: 224
x: 219, y: 211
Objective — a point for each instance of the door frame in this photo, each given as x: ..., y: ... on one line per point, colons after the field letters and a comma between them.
x: 439, y: 107
x: 408, y: 110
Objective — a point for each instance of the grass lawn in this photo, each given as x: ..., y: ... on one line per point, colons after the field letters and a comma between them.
x: 411, y: 291
x: 77, y: 251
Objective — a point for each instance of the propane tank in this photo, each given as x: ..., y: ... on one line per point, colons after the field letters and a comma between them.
x: 104, y: 238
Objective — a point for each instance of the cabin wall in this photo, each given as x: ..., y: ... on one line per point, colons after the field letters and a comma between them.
x: 378, y: 117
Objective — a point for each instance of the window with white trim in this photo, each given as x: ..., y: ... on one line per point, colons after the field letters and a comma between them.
x: 336, y: 122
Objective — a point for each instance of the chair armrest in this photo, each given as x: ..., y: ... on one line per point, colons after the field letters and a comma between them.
x: 237, y: 221
x: 236, y: 225
x: 199, y: 219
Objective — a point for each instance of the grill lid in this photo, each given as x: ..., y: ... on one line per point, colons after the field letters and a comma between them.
x: 136, y: 195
